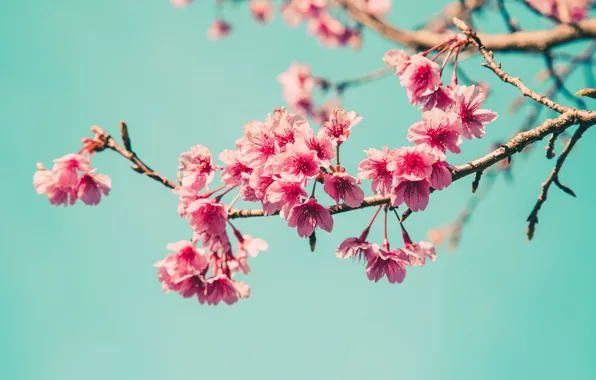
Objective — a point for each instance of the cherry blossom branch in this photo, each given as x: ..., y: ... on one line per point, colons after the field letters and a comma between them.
x: 523, y: 41
x: 138, y: 166
x: 512, y: 23
x: 554, y: 178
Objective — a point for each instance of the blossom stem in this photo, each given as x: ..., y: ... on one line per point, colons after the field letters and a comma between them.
x: 207, y: 195
x: 232, y: 203
x: 454, y: 75
x: 443, y: 50
x: 365, y: 232
x: 337, y: 155
x: 446, y: 60
x: 314, y: 186
x: 218, y: 198
x: 385, y: 239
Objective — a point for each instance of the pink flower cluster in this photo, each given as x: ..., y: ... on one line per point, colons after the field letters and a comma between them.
x: 273, y: 164
x: 72, y: 178
x: 450, y: 112
x: 577, y: 10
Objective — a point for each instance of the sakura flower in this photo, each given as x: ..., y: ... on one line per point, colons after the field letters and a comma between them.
x: 262, y: 10
x: 467, y: 102
x: 442, y: 99
x: 260, y: 179
x: 186, y: 260
x: 412, y: 163
x: 414, y: 193
x: 377, y: 8
x: 252, y: 246
x: 44, y: 183
x: 180, y: 3
x: 327, y: 28
x: 382, y: 262
x: 65, y: 170
x: 91, y: 186
x: 285, y: 193
x: 342, y: 186
x: 214, y: 242
x: 421, y: 77
x: 297, y: 163
x: 258, y: 143
x: 438, y: 130
x: 197, y: 168
x: 440, y: 177
x: 310, y: 8
x: 221, y: 288
x: 339, y: 125
x: 375, y: 167
x: 354, y: 247
x: 219, y: 29
x: 398, y: 59
x: 577, y: 10
x: 321, y: 146
x: 187, y: 196
x: 418, y: 253
x: 207, y: 216
x: 291, y: 15
x: 309, y: 215
x: 238, y: 263
x: 236, y: 171
x: 297, y: 85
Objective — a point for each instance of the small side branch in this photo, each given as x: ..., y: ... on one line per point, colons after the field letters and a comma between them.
x: 553, y: 178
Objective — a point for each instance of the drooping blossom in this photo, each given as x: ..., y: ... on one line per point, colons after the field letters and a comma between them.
x: 219, y: 29
x: 181, y: 270
x: 91, y: 186
x: 310, y: 8
x: 291, y: 15
x: 339, y: 125
x: 236, y: 170
x: 383, y: 262
x: 297, y: 163
x: 252, y: 246
x: 327, y: 28
x: 467, y: 103
x: 421, y: 78
x: 297, y: 84
x: 437, y: 130
x: 262, y: 10
x: 197, y: 168
x: 412, y: 163
x: 187, y: 196
x: 576, y: 10
x: 441, y: 98
x: 309, y: 215
x: 343, y: 187
x: 221, y: 288
x: 44, y: 183
x: 414, y: 193
x: 207, y: 216
x: 375, y: 168
x: 214, y: 242
x: 66, y: 168
x: 440, y: 177
x: 418, y: 253
x: 354, y: 247
x: 398, y: 59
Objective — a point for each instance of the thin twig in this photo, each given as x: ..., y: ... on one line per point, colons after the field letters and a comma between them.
x: 554, y: 178
x: 512, y: 23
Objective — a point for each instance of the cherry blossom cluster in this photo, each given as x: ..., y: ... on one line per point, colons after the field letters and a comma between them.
x: 298, y: 84
x: 330, y: 31
x: 73, y: 178
x: 576, y: 10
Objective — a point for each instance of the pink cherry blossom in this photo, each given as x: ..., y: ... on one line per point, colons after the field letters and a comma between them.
x: 309, y: 215
x: 91, y: 186
x: 184, y: 260
x: 342, y: 186
x: 252, y: 246
x: 310, y: 8
x: 291, y: 15
x: 287, y: 194
x: 214, y: 242
x: 442, y: 99
x: 219, y: 29
x: 339, y: 125
x: 297, y: 85
x: 197, y: 168
x: 414, y: 193
x: 412, y: 163
x: 237, y: 171
x: 398, y: 59
x: 467, y: 102
x: 354, y: 247
x: 207, y: 216
x: 375, y: 167
x: 238, y: 263
x: 66, y: 168
x: 262, y: 10
x: 382, y: 262
x: 437, y: 130
x: 187, y: 196
x: 297, y: 163
x: 441, y: 175
x: 260, y: 179
x: 180, y: 3
x: 258, y: 143
x: 577, y: 9
x: 421, y: 77
x: 327, y: 28
x: 322, y: 147
x: 44, y: 183
x: 221, y: 288
x: 377, y: 8
x: 418, y: 253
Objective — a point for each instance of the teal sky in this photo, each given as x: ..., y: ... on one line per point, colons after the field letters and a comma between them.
x: 80, y: 298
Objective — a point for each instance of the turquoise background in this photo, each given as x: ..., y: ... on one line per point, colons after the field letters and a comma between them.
x: 79, y: 296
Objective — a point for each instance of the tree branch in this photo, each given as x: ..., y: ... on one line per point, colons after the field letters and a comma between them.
x: 107, y: 141
x: 523, y: 41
